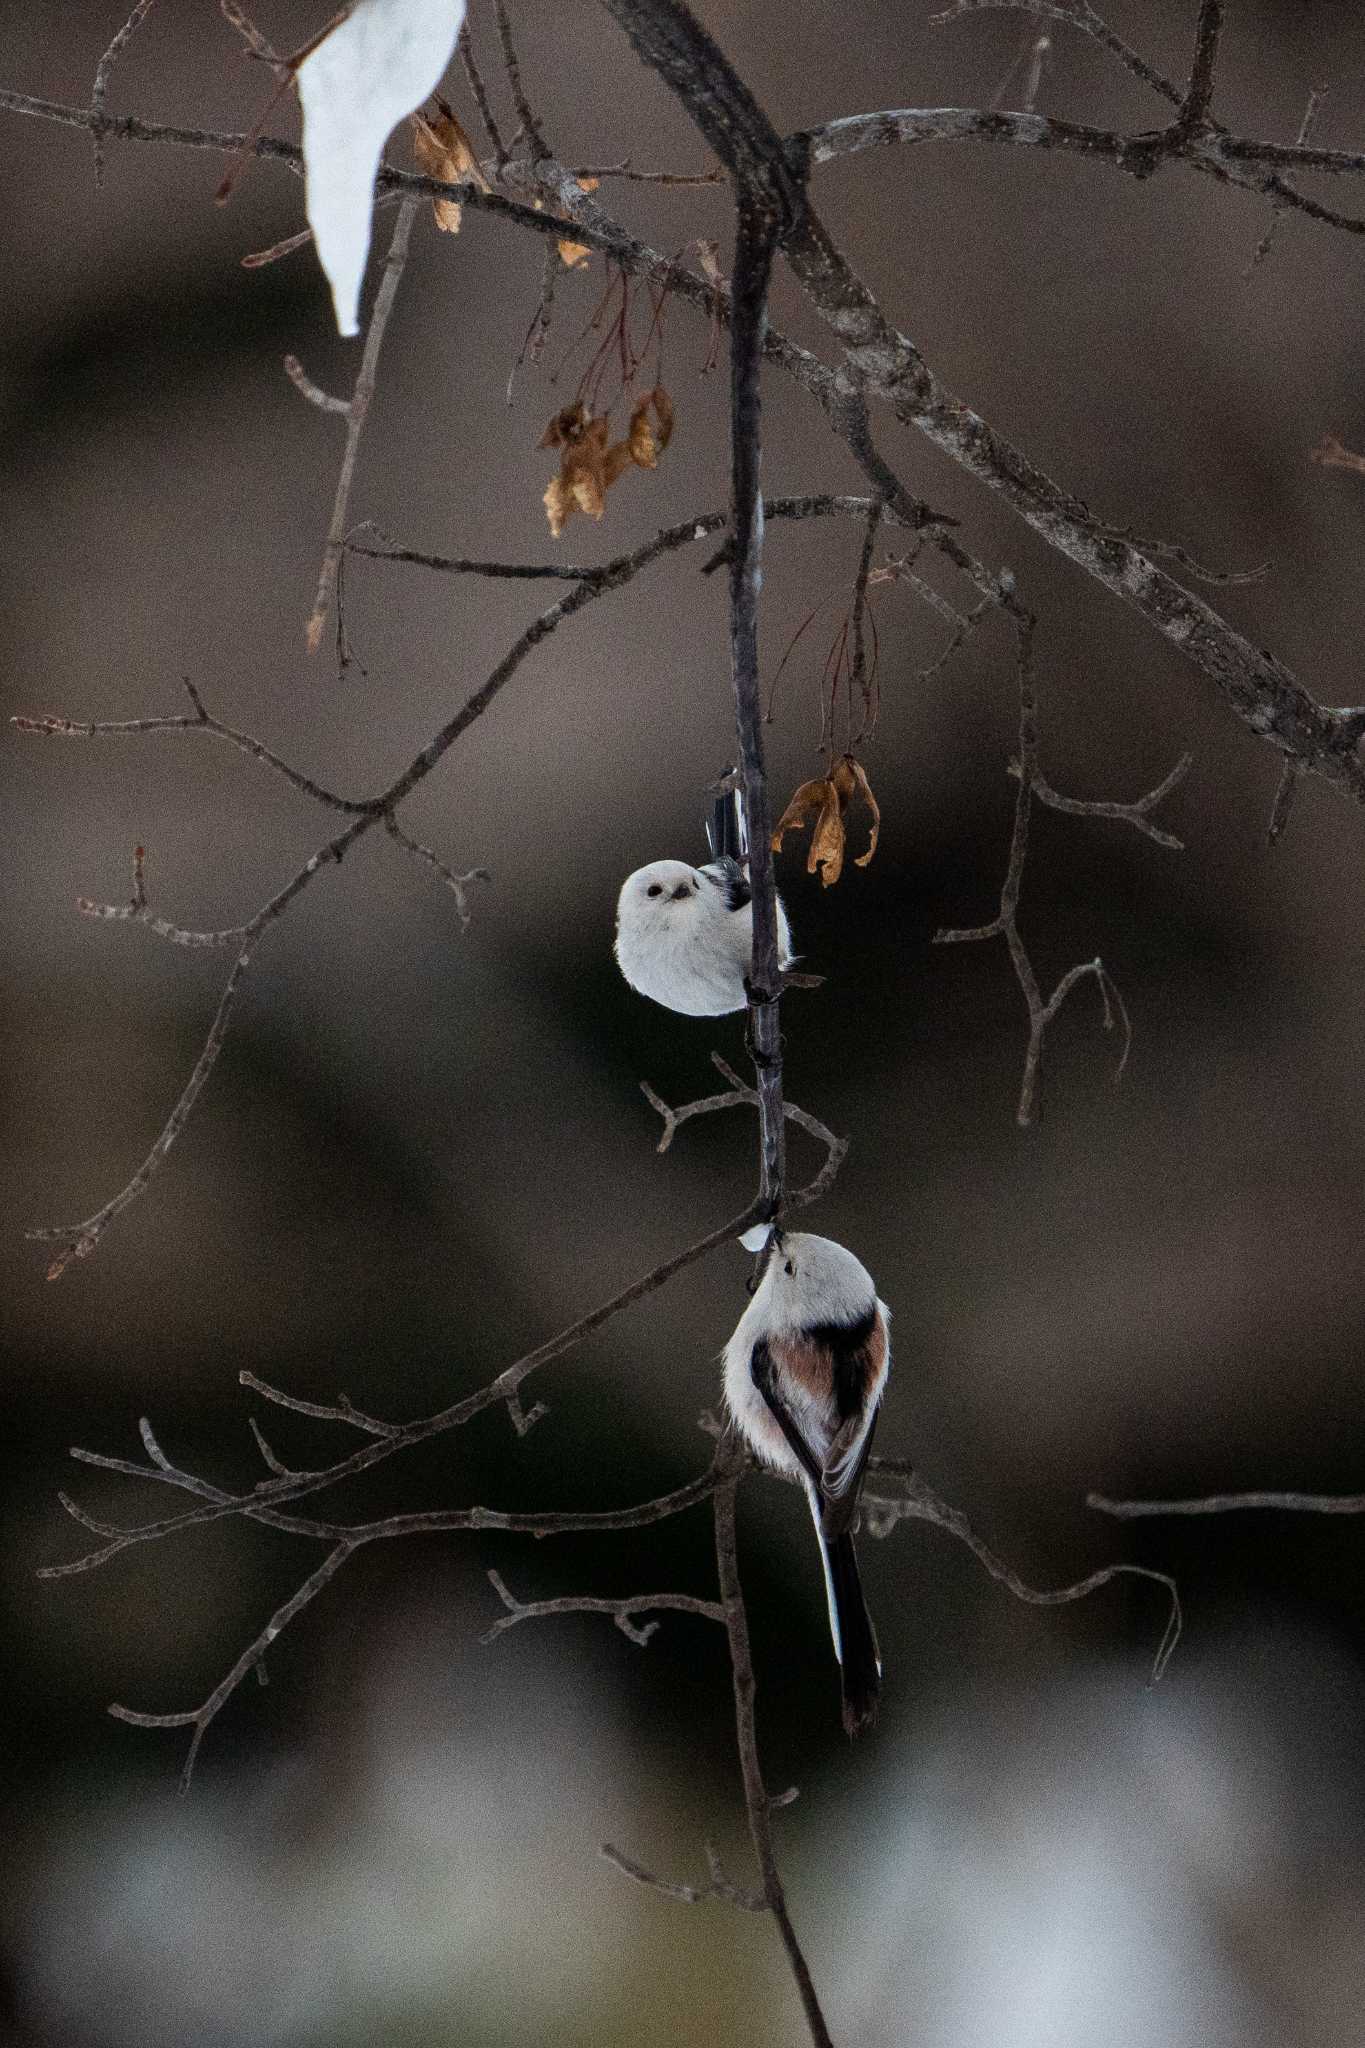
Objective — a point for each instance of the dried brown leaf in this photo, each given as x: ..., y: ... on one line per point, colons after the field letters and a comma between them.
x: 641, y: 445
x: 823, y: 803
x: 648, y: 438
x: 558, y: 505
x: 864, y: 791
x: 820, y: 799
x: 617, y: 460
x: 444, y: 151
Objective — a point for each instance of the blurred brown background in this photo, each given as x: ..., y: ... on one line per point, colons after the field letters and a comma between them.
x: 423, y: 1152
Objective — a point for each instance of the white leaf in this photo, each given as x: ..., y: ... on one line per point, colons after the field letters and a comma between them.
x: 365, y: 77
x: 756, y: 1236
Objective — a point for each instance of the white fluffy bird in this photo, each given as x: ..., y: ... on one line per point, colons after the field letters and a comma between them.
x: 804, y: 1376
x: 685, y: 935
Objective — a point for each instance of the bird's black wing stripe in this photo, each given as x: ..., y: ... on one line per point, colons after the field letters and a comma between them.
x: 847, y: 1346
x: 762, y: 1373
x: 728, y: 875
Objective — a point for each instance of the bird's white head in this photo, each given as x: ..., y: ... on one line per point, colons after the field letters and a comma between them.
x: 659, y: 897
x: 812, y: 1280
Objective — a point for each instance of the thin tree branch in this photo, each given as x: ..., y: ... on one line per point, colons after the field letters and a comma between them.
x: 756, y: 1800
x: 738, y: 1095
x: 621, y: 1611
x: 465, y: 45
x: 201, y: 721
x: 357, y: 410
x: 202, y: 1717
x: 1005, y: 924
x: 1230, y: 1503
x: 920, y: 1503
x: 99, y: 92
x: 719, y: 1887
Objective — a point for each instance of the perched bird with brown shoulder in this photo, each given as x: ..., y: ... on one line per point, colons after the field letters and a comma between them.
x: 804, y: 1376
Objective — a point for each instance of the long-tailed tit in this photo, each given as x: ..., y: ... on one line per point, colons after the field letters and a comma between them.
x: 685, y: 935
x: 804, y: 1374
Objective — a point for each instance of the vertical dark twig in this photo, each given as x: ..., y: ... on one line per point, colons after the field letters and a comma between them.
x: 465, y: 46
x: 356, y: 412
x: 100, y: 90
x: 755, y: 243
x: 756, y: 1799
x: 530, y: 126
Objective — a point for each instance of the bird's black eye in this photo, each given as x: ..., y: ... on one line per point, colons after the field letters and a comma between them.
x: 655, y: 889
x: 789, y: 1267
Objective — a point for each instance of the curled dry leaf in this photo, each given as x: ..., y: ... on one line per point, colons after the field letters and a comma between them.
x: 368, y: 73
x: 444, y: 151
x: 588, y: 466
x: 583, y: 481
x: 826, y: 799
x: 645, y: 440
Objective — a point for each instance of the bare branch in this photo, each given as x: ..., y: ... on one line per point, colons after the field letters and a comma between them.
x: 138, y: 911
x: 737, y: 1095
x: 202, y: 1717
x: 756, y: 1801
x: 356, y: 412
x: 529, y: 125
x: 477, y: 87
x: 1331, y: 453
x: 1005, y: 924
x: 80, y: 1239
x: 100, y: 90
x: 298, y: 376
x: 423, y: 855
x: 621, y: 1611
x: 1230, y: 1503
x: 1290, y: 776
x: 883, y: 1512
x: 1279, y: 205
x: 200, y: 721
x: 719, y: 1887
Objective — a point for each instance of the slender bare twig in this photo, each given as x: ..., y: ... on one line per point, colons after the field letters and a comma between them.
x: 138, y: 911
x: 1230, y: 1503
x: 719, y: 1886
x: 882, y: 1513
x: 202, y: 1717
x: 457, y: 884
x: 200, y: 721
x: 303, y: 383
x: 1278, y: 206
x: 1285, y: 792
x: 357, y: 409
x: 100, y: 90
x: 1333, y: 454
x: 739, y: 1094
x: 465, y: 45
x: 756, y: 1800
x: 529, y: 125
x: 1005, y: 924
x: 621, y: 1611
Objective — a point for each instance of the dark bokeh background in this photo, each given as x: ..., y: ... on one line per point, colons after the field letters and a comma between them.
x: 425, y: 1151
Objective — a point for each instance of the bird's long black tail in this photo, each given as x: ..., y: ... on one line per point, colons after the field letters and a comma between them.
x: 855, y: 1639
x: 725, y: 826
